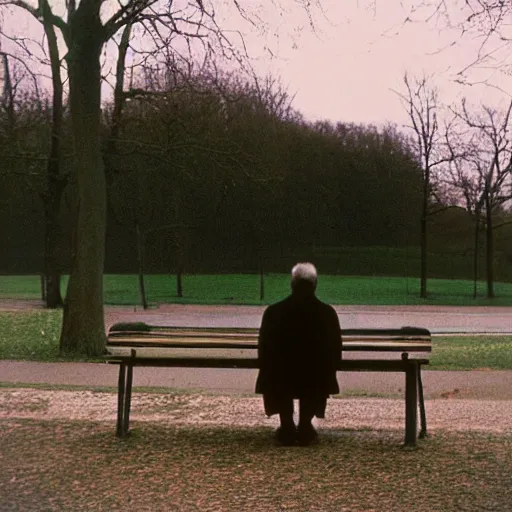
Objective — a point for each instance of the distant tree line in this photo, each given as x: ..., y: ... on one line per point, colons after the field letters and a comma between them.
x: 209, y: 171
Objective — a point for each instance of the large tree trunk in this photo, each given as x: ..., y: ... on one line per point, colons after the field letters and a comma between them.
x: 83, y: 329
x: 53, y: 297
x: 56, y: 183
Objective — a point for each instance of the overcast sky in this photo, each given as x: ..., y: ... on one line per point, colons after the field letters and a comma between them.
x: 347, y: 68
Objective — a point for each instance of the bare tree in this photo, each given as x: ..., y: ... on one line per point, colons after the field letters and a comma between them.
x: 488, y: 184
x: 190, y: 115
x: 85, y: 34
x: 488, y: 22
x: 483, y: 25
x: 421, y: 101
x: 56, y: 181
x: 86, y: 27
x: 55, y: 178
x: 8, y: 94
x: 462, y: 175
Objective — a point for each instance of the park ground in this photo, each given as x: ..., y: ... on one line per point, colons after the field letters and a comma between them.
x: 205, y: 448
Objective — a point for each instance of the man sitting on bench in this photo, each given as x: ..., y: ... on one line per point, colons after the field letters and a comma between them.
x: 299, y: 351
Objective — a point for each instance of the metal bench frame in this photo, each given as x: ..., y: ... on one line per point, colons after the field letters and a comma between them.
x: 410, y: 366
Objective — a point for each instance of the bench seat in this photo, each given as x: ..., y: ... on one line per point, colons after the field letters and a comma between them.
x: 406, y: 339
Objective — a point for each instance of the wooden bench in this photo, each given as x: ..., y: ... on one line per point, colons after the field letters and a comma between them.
x: 138, y: 344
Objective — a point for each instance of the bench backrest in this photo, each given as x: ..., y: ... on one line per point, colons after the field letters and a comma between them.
x: 139, y: 335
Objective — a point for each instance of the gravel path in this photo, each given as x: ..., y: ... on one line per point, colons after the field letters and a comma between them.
x: 241, y: 411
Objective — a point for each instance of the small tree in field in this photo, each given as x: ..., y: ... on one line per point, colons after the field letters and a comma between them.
x: 462, y: 176
x: 421, y: 101
x: 489, y: 159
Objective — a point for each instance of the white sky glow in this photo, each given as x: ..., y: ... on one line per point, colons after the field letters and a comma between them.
x: 347, y: 70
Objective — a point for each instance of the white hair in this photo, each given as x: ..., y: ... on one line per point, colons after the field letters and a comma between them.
x: 304, y: 272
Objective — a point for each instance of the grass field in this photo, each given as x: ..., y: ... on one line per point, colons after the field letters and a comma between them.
x: 79, y: 466
x: 245, y: 289
x: 34, y: 336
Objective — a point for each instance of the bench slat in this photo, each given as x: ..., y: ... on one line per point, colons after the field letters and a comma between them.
x: 184, y: 334
x: 410, y: 333
x: 356, y: 346
x: 188, y: 351
x: 146, y: 328
x: 177, y: 352
x: 178, y: 340
x: 386, y: 346
x: 354, y: 365
x: 119, y: 338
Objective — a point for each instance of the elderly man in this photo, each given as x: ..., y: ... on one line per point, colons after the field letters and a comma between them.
x: 299, y: 350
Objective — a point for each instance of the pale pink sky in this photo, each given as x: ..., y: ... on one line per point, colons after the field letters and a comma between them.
x: 347, y: 70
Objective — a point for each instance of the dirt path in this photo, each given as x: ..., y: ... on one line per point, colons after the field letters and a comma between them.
x: 241, y: 411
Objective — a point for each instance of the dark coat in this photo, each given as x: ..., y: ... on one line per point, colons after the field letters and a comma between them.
x: 299, y: 349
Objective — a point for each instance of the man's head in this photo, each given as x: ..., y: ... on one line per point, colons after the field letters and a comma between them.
x: 304, y: 279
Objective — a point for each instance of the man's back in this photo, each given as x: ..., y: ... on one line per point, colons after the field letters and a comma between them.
x: 300, y: 346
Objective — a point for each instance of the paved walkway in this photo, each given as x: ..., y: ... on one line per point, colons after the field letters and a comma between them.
x: 495, y: 385
x: 438, y: 319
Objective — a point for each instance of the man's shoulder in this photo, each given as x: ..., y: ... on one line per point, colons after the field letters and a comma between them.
x: 324, y: 305
x: 284, y: 303
x: 326, y: 311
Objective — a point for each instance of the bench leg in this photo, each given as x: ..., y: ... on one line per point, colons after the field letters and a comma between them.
x: 121, y: 386
x: 411, y: 405
x: 127, y: 399
x: 423, y: 416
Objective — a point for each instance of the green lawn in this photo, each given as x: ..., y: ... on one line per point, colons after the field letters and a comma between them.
x: 245, y: 289
x: 34, y: 336
x: 30, y: 335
